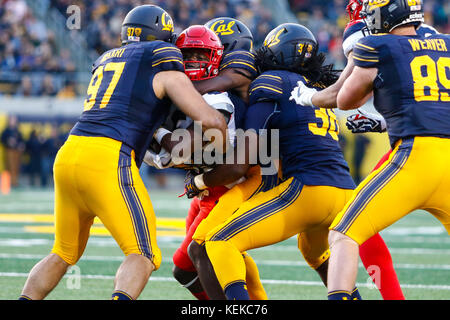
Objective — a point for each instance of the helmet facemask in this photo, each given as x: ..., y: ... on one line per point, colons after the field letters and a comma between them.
x: 353, y: 9
x: 200, y: 63
x: 202, y: 52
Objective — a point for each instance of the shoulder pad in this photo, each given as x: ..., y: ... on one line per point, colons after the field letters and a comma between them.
x: 166, y: 56
x: 240, y: 59
x: 268, y: 86
x: 366, y: 52
x: 219, y: 101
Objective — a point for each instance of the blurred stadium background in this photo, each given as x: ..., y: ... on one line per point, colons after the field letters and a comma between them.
x: 46, y: 50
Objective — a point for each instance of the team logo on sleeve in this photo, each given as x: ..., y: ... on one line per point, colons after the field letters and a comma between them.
x: 221, y: 28
x: 167, y: 22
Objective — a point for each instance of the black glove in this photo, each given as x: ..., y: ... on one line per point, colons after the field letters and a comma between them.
x: 190, y: 189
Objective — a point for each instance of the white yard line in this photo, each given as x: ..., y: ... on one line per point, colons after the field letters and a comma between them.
x: 278, y: 263
x: 266, y: 281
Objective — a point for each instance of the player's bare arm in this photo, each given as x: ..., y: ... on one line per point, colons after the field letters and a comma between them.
x: 327, y: 98
x: 237, y: 79
x: 357, y: 88
x: 234, y: 168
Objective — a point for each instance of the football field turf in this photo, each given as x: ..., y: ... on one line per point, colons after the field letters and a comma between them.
x: 419, y: 245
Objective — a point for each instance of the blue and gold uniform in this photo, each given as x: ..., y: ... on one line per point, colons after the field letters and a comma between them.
x: 412, y: 92
x: 239, y: 59
x: 96, y: 170
x: 316, y: 183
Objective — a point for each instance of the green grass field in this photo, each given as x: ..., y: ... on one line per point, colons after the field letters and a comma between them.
x: 419, y: 245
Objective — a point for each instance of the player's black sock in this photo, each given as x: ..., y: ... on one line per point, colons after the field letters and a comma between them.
x: 120, y: 295
x: 24, y: 297
x: 339, y: 295
x: 356, y: 295
x: 237, y: 291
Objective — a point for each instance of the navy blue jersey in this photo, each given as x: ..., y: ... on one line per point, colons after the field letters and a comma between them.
x: 240, y: 59
x: 308, y: 137
x: 412, y: 88
x: 121, y: 103
x: 426, y: 30
x: 240, y: 110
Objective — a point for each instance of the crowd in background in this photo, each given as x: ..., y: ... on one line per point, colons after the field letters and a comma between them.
x: 32, y: 64
x: 30, y: 60
x: 102, y: 19
x: 31, y: 156
x: 27, y: 46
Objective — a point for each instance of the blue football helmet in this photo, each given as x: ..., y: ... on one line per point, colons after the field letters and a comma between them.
x: 382, y: 16
x: 233, y: 34
x: 147, y: 23
x: 289, y: 46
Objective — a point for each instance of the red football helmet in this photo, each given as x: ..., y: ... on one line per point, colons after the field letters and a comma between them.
x: 353, y: 8
x: 200, y: 41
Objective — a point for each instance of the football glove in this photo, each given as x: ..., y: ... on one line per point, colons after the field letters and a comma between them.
x: 302, y: 95
x: 192, y: 186
x: 161, y: 160
x: 363, y: 122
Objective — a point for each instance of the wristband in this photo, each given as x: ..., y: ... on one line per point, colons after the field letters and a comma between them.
x: 160, y: 133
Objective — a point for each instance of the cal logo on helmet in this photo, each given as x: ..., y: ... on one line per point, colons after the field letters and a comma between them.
x: 220, y: 27
x: 167, y: 22
x: 273, y: 39
x: 377, y: 3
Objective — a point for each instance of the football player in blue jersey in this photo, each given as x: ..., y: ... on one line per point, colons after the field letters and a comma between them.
x: 314, y: 169
x: 96, y: 170
x: 373, y: 251
x: 405, y: 72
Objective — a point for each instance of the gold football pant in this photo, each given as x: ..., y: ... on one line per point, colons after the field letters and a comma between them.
x: 416, y: 176
x: 225, y: 207
x: 98, y: 177
x: 229, y: 203
x: 271, y: 217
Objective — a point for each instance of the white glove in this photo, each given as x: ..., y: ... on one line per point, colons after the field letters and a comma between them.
x: 302, y: 95
x: 162, y: 160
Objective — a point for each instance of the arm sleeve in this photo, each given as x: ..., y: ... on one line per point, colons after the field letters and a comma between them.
x: 259, y: 114
x: 366, y: 54
x: 240, y: 59
x: 166, y: 57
